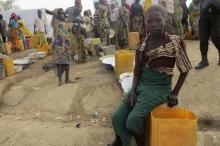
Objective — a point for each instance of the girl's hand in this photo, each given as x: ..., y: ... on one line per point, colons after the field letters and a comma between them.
x: 172, y: 100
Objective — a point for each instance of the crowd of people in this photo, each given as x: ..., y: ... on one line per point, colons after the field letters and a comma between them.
x: 14, y: 32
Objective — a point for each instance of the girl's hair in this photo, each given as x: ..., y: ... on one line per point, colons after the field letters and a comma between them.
x: 159, y: 9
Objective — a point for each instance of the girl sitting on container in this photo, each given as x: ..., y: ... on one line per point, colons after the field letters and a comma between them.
x: 155, y: 59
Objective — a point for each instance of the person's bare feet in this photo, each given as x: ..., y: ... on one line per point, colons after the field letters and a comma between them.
x: 69, y: 82
x: 60, y: 83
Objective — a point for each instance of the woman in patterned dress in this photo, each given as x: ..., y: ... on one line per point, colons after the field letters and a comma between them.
x: 13, y: 24
x: 61, y: 45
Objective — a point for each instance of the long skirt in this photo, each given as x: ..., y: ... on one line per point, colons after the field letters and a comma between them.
x: 15, y: 38
x: 152, y: 91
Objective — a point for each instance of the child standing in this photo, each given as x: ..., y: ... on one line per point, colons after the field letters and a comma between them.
x: 61, y: 45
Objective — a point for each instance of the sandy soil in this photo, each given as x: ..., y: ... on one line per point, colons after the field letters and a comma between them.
x: 36, y: 112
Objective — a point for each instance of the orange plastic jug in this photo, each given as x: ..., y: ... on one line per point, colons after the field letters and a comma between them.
x: 9, y: 66
x: 8, y: 48
x: 173, y: 127
x: 133, y: 40
x: 34, y: 41
x: 44, y: 48
x: 124, y: 62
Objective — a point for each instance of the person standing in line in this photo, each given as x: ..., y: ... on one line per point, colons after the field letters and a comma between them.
x: 123, y: 26
x: 87, y: 24
x: 185, y: 16
x: 3, y: 28
x: 209, y: 26
x: 74, y: 12
x: 177, y: 19
x: 40, y: 28
x: 104, y: 12
x: 114, y: 15
x: 169, y: 6
x: 137, y: 18
x: 194, y: 13
x: 126, y: 5
x: 13, y: 25
x: 75, y: 19
x: 96, y: 20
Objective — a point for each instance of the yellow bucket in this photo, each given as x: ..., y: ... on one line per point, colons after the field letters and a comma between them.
x: 173, y: 127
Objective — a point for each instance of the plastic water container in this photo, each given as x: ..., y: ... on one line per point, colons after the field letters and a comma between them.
x: 173, y: 127
x: 34, y: 41
x: 133, y: 40
x: 9, y: 66
x: 108, y: 50
x: 8, y: 48
x: 124, y: 62
x: 44, y: 48
x: 92, y: 45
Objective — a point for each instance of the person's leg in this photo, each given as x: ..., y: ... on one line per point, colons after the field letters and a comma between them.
x: 215, y: 32
x: 204, y: 29
x: 67, y: 78
x: 119, y: 120
x: 136, y: 121
x: 60, y: 71
x: 4, y: 39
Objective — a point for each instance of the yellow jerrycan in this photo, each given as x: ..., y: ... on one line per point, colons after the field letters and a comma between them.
x: 124, y: 62
x: 173, y: 127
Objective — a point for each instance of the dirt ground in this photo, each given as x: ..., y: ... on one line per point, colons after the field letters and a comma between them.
x: 36, y: 112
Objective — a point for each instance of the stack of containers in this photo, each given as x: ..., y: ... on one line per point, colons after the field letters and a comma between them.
x: 124, y: 62
x: 9, y: 66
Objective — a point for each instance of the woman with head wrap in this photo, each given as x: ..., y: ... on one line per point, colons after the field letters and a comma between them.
x: 61, y: 45
x: 194, y: 15
x: 137, y: 18
x: 13, y: 24
x: 114, y: 17
x: 104, y: 13
x: 123, y: 26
